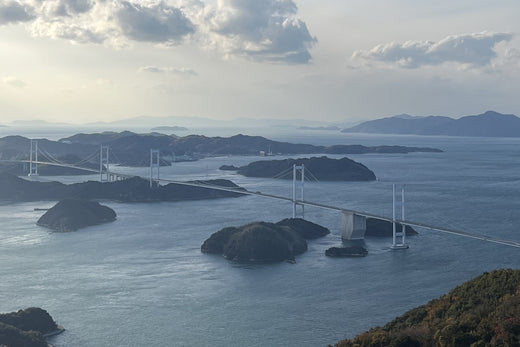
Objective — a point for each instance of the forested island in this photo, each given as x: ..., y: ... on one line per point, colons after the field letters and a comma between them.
x: 27, y: 328
x: 136, y: 189
x: 74, y: 214
x: 482, y: 312
x: 322, y: 168
x: 262, y: 242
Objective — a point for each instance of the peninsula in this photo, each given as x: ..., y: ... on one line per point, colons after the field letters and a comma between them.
x: 27, y: 328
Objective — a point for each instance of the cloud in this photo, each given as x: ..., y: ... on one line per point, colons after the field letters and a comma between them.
x: 14, y: 82
x: 181, y: 72
x: 476, y: 49
x: 114, y: 23
x: 15, y: 12
x: 156, y: 23
x: 262, y: 30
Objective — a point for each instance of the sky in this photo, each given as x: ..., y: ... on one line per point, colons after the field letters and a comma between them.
x: 82, y: 61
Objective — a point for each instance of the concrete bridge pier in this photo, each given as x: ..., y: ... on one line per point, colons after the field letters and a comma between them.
x: 353, y: 226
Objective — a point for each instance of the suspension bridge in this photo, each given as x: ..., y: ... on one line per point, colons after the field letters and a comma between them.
x: 353, y: 222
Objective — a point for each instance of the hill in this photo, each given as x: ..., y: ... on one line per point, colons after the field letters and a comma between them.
x: 323, y: 168
x: 488, y: 124
x: 482, y: 312
x: 261, y: 242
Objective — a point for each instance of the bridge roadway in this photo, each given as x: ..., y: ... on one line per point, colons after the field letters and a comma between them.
x: 299, y: 202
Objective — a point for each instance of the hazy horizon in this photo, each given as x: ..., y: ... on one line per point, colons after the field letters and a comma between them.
x: 88, y: 61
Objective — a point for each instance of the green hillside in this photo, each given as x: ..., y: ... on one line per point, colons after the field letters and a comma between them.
x: 482, y: 312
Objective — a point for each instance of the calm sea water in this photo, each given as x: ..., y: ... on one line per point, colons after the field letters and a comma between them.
x: 142, y: 280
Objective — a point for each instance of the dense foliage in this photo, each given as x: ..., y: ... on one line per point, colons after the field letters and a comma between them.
x: 323, y: 168
x: 482, y: 312
x: 264, y: 242
x: 74, y: 214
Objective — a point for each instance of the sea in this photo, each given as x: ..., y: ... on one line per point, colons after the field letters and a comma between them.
x: 143, y: 281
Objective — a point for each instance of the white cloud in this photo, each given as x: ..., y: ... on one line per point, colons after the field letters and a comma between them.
x: 15, y: 12
x: 263, y: 30
x: 14, y: 82
x: 476, y: 49
x: 114, y: 23
x: 181, y: 72
x: 155, y: 23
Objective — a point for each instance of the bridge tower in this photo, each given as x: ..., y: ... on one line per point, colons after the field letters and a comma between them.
x: 396, y: 243
x: 298, y: 184
x: 104, y: 164
x: 155, y: 164
x: 33, y: 159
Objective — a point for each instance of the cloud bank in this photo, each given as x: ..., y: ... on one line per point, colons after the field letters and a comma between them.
x: 262, y: 30
x: 476, y: 49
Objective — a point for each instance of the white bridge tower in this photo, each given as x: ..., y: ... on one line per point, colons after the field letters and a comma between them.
x: 298, y: 184
x: 33, y: 159
x: 155, y: 164
x: 104, y: 164
x: 398, y: 238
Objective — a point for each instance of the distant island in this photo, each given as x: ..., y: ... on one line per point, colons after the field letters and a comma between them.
x: 132, y: 149
x: 482, y: 312
x: 136, y: 189
x: 322, y: 168
x: 488, y: 124
x: 262, y: 242
x: 27, y: 328
x: 331, y: 128
x: 169, y: 128
x: 74, y: 214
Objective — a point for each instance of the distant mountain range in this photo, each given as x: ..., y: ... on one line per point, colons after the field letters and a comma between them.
x: 488, y: 124
x: 132, y: 149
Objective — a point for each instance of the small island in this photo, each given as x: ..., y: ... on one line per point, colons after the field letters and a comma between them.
x: 74, y: 214
x: 262, y: 242
x: 27, y: 328
x: 323, y: 169
x: 346, y: 252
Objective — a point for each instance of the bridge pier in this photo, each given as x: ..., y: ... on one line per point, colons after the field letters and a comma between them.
x: 354, y: 226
